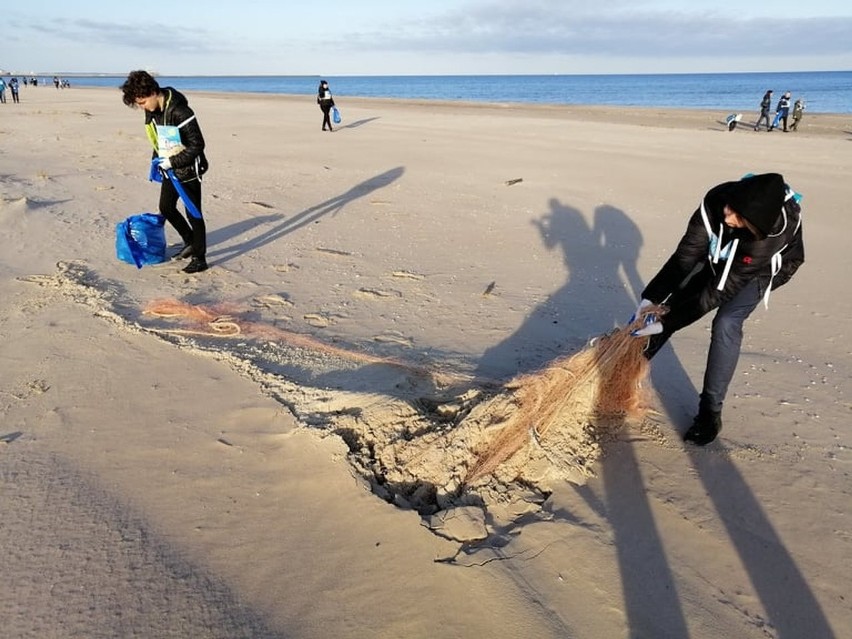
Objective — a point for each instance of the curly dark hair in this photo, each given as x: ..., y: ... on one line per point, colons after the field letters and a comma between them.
x: 139, y: 84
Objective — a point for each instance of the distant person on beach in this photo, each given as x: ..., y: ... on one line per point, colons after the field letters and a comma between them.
x: 326, y: 102
x: 167, y: 112
x: 765, y: 105
x: 782, y: 111
x: 2, y: 91
x: 798, y: 112
x: 13, y: 87
x: 742, y: 242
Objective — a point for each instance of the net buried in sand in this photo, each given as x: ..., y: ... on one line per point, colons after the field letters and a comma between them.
x: 539, y: 427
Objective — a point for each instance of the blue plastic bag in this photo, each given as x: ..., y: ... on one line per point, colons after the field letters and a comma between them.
x: 141, y: 239
x: 335, y: 115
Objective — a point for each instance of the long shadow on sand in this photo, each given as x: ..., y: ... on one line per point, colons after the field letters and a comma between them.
x: 597, y: 257
x: 357, y: 123
x: 289, y: 224
x: 785, y: 594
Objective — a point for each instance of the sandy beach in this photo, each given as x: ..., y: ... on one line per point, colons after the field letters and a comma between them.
x: 240, y: 477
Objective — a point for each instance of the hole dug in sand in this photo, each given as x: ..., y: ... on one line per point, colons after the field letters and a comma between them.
x: 483, y: 449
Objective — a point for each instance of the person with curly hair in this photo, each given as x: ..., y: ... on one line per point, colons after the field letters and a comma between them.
x: 178, y: 155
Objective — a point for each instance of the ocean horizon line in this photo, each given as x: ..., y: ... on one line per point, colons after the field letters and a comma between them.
x: 110, y: 74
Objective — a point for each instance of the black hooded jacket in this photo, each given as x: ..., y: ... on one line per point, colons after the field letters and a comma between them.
x: 190, y: 163
x: 697, y: 279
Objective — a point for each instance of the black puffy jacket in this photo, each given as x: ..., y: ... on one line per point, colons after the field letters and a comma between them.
x: 190, y: 163
x: 696, y: 284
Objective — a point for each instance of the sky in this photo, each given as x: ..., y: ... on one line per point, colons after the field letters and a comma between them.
x: 430, y: 37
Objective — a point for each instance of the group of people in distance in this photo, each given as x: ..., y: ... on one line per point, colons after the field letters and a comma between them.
x: 782, y: 112
x: 12, y: 84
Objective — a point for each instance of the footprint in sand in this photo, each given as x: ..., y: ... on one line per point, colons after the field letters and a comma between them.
x: 272, y: 301
x: 406, y: 275
x: 392, y: 337
x: 286, y: 268
x: 33, y: 387
x: 375, y: 293
x: 316, y: 320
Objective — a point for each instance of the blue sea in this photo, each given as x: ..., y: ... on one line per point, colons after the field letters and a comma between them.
x: 823, y: 91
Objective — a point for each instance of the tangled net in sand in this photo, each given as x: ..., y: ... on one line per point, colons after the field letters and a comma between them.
x: 567, y: 408
x: 227, y: 321
x: 539, y: 427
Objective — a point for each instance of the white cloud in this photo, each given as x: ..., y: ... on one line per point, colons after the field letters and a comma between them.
x: 565, y: 29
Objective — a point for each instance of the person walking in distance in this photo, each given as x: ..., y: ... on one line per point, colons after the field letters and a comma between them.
x: 13, y: 87
x: 326, y: 102
x: 798, y: 112
x: 782, y: 111
x: 765, y: 105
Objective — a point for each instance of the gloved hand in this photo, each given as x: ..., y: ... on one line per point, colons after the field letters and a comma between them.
x: 642, y: 305
x: 651, y: 324
x: 158, y: 167
x: 652, y: 327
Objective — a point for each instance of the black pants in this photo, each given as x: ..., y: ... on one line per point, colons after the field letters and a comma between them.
x: 326, y: 118
x: 726, y: 337
x: 193, y: 232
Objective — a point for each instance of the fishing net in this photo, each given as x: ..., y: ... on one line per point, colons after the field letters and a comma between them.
x: 225, y: 320
x: 543, y: 425
x: 568, y: 408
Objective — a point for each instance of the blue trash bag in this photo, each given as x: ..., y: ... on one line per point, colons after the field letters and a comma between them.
x: 141, y: 239
x: 335, y: 115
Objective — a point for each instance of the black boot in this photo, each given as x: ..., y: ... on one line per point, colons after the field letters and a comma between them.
x: 196, y: 265
x: 705, y: 427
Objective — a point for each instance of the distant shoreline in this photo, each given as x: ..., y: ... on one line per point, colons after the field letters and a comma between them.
x: 668, y: 117
x: 77, y: 74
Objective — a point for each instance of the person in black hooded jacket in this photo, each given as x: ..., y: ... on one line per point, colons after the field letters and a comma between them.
x: 168, y: 107
x: 742, y: 242
x: 765, y: 105
x: 326, y: 103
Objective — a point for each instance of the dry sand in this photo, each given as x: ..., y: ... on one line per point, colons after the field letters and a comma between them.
x: 157, y: 482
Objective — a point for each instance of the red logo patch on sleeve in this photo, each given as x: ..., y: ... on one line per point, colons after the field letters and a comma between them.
x: 747, y: 259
